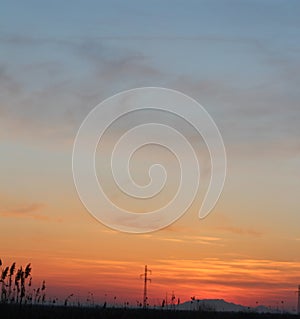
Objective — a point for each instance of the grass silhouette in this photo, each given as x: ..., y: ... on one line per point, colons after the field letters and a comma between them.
x: 16, y: 286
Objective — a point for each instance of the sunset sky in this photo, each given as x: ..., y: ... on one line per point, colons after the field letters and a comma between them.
x: 239, y: 59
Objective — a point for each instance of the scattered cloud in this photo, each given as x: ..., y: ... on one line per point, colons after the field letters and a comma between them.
x: 56, y: 102
x: 31, y: 211
x: 241, y: 231
x: 207, y: 277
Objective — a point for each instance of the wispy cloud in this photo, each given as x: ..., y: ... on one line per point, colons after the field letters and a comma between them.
x: 32, y: 211
x: 64, y: 98
x: 55, y: 91
x: 191, y: 239
x: 232, y: 279
x: 241, y: 231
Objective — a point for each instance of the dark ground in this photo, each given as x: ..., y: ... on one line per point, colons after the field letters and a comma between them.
x: 60, y: 312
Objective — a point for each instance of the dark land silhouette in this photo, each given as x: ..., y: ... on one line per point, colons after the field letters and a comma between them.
x: 65, y: 312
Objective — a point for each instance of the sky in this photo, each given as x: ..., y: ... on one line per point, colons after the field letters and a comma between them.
x: 239, y: 59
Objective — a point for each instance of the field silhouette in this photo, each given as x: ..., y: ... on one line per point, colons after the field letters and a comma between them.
x: 65, y: 312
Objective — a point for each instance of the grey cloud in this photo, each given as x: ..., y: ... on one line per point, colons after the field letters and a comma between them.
x: 267, y: 111
x: 58, y: 107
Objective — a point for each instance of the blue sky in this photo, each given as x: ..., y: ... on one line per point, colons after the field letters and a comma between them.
x: 233, y: 34
x: 243, y: 44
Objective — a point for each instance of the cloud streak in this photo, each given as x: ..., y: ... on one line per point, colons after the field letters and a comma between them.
x: 240, y: 280
x: 31, y: 211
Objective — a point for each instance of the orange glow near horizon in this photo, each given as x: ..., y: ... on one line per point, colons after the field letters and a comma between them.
x: 243, y: 281
x: 214, y: 259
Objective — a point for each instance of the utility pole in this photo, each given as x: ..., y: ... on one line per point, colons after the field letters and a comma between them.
x: 146, y: 279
